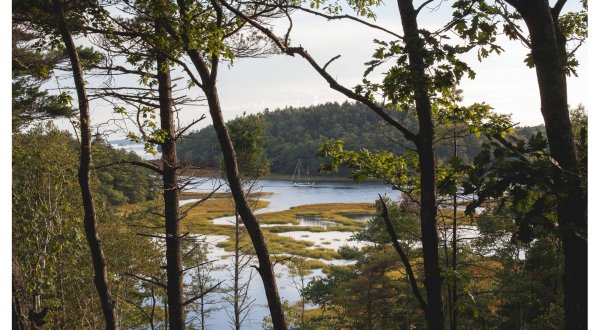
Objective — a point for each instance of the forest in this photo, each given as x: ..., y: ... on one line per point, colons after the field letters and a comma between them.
x: 297, y: 133
x: 488, y: 230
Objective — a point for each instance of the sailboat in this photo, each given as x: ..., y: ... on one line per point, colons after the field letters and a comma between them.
x: 297, y: 177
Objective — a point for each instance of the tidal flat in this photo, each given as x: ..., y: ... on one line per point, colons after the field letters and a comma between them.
x: 312, y: 231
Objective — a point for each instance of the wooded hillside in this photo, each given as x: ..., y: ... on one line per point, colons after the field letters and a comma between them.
x: 294, y: 133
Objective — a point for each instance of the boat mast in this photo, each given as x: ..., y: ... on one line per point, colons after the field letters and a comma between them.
x: 295, y: 170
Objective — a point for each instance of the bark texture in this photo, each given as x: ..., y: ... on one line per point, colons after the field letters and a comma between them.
x: 90, y: 222
x: 424, y: 144
x: 170, y: 165
x: 548, y: 49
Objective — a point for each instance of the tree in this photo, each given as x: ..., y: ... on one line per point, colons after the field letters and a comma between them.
x: 170, y: 167
x: 351, y: 122
x: 299, y: 270
x: 206, y: 46
x: 425, y: 70
x: 148, y: 52
x: 367, y: 295
x: 63, y: 30
x: 548, y: 36
x: 30, y: 68
x: 203, y: 282
x: 248, y: 138
x: 520, y: 174
x: 52, y: 264
x: 237, y: 294
x: 121, y: 183
x: 45, y: 209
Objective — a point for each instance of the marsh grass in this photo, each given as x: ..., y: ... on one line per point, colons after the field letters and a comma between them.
x: 340, y: 213
x: 198, y: 220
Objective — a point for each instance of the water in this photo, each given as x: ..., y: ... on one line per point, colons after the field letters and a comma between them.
x: 284, y: 196
x: 315, y: 221
x: 220, y: 317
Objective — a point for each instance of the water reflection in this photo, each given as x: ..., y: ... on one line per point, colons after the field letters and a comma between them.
x: 285, y: 196
x: 314, y: 220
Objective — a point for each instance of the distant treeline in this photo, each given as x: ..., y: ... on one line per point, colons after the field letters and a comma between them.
x: 297, y: 133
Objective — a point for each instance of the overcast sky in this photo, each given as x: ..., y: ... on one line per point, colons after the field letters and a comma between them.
x: 277, y: 81
x: 502, y: 81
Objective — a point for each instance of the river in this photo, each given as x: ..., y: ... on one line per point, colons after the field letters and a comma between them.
x: 283, y: 195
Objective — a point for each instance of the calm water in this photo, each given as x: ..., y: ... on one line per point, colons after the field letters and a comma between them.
x: 284, y: 196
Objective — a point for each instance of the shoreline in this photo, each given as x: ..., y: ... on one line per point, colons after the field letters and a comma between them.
x: 215, y: 174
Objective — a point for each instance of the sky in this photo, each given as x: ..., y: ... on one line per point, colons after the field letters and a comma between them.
x: 253, y: 84
x: 502, y: 81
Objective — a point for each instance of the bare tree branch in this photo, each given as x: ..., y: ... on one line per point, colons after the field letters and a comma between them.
x: 514, y: 27
x: 332, y: 82
x: 189, y: 301
x: 198, y: 265
x: 145, y: 279
x: 136, y: 305
x: 418, y: 10
x: 183, y: 130
x: 184, y: 213
x: 331, y: 60
x: 557, y: 9
x: 340, y: 17
x: 147, y: 165
x: 150, y: 235
x: 411, y: 277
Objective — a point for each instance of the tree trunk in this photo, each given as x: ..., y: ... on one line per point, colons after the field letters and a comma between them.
x: 208, y: 76
x: 153, y: 310
x: 424, y: 144
x: 236, y: 274
x: 202, y: 314
x: 170, y: 194
x: 429, y: 239
x: 454, y: 296
x: 547, y: 46
x: 90, y: 223
x: 265, y: 268
x: 19, y: 299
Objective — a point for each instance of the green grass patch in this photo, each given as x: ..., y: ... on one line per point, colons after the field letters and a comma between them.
x: 341, y: 213
x: 197, y: 220
x: 314, y: 264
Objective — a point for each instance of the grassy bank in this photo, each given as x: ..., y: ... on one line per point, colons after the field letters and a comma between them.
x: 340, y: 217
x: 215, y: 174
x: 198, y: 220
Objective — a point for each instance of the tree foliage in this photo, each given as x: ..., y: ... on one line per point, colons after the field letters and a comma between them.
x: 120, y: 182
x: 30, y: 69
x: 293, y: 133
x: 49, y: 242
x: 248, y: 134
